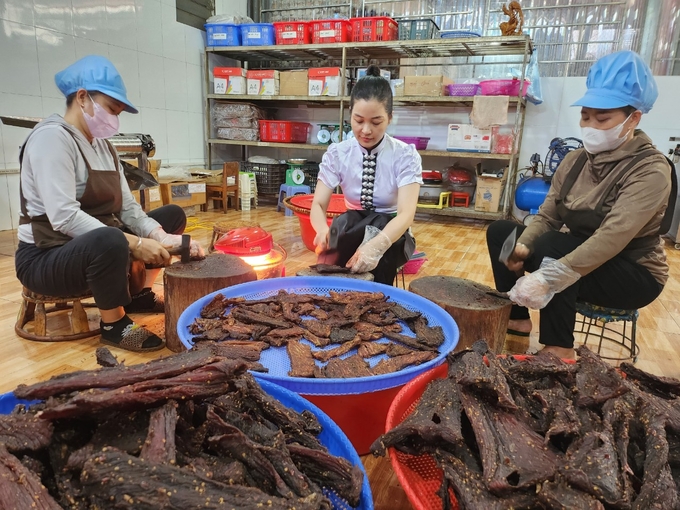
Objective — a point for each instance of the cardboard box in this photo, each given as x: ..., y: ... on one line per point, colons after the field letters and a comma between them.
x: 385, y: 74
x: 263, y: 83
x: 325, y: 81
x: 489, y: 193
x: 294, y: 83
x: 183, y: 193
x: 425, y: 85
x: 230, y: 80
x: 148, y: 198
x: 152, y: 165
x: 467, y: 138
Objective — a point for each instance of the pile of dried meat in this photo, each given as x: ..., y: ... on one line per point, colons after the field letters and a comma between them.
x: 544, y: 434
x: 193, y: 430
x: 332, y: 326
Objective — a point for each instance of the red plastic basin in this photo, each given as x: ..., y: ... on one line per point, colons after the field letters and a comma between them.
x: 303, y: 204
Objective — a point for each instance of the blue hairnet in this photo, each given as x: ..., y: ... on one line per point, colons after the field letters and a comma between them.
x: 617, y: 80
x: 94, y: 73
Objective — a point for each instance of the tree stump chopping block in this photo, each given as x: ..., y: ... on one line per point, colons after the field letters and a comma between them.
x: 186, y: 283
x: 479, y: 316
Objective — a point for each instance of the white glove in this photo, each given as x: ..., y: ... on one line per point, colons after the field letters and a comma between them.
x: 367, y: 256
x: 174, y: 242
x: 536, y: 289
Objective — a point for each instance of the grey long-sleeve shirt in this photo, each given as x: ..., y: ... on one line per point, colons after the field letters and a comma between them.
x: 54, y: 175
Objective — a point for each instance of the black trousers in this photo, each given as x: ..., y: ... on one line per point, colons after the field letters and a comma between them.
x: 618, y: 283
x: 98, y: 261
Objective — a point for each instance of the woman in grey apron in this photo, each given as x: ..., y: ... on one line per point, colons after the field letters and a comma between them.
x: 80, y: 227
x: 612, y: 196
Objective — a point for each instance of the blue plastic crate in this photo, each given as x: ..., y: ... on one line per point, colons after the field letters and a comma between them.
x: 223, y: 34
x: 258, y: 34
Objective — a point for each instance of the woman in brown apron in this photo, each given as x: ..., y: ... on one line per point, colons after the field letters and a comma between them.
x: 80, y: 227
x: 612, y: 196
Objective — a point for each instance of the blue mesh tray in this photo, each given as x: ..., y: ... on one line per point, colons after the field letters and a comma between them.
x: 276, y: 358
x: 332, y: 437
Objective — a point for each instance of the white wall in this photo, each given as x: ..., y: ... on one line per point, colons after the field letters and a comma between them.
x: 160, y: 61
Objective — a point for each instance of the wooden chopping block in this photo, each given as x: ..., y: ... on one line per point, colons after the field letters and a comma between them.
x: 185, y: 283
x: 308, y: 271
x: 479, y: 315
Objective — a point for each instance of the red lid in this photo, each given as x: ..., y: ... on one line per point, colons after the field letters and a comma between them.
x: 432, y: 175
x: 245, y: 241
x: 459, y: 176
x: 335, y: 206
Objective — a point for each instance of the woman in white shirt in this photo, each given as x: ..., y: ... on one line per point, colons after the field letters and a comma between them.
x: 380, y: 178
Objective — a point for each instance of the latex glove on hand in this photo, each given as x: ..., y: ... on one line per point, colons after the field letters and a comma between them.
x: 368, y: 255
x: 536, y: 289
x: 172, y: 242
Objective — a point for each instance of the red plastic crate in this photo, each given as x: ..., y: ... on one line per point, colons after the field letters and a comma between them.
x: 375, y: 28
x: 331, y: 31
x: 284, y: 131
x: 293, y: 32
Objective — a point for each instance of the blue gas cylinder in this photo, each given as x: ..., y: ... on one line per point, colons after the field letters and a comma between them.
x: 531, y: 193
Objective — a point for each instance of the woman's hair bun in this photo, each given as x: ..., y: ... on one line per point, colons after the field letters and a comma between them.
x: 373, y: 70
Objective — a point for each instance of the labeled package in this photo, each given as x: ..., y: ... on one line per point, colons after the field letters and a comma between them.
x: 489, y: 193
x: 426, y: 85
x: 467, y: 138
x: 294, y: 83
x: 263, y: 83
x: 325, y: 81
x: 229, y: 80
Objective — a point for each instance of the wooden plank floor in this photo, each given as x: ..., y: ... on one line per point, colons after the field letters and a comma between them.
x: 453, y: 247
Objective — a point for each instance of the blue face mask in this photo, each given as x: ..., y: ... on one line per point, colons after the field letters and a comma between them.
x: 604, y: 140
x: 102, y: 124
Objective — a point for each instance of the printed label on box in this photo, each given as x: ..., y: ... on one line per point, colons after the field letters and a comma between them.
x: 288, y: 35
x: 180, y: 191
x: 219, y: 36
x: 197, y: 188
x: 154, y: 194
x: 254, y: 35
x: 231, y: 85
x: 467, y: 138
x: 315, y: 87
x: 220, y: 85
x: 326, y: 33
x: 331, y: 86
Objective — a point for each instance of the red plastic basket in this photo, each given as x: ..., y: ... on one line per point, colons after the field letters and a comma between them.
x: 284, y: 131
x: 293, y: 32
x: 331, y: 31
x: 419, y: 475
x: 375, y: 28
x: 502, y: 87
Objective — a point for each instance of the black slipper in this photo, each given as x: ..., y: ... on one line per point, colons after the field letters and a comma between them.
x: 517, y: 333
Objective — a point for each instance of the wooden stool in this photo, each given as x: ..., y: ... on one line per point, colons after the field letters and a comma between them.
x: 479, y: 315
x: 33, y: 308
x: 600, y: 317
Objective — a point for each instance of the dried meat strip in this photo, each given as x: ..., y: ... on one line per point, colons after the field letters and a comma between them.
x: 353, y: 366
x: 409, y: 341
x: 301, y: 360
x: 432, y: 336
x: 329, y: 268
x: 318, y: 328
x: 336, y: 351
x: 294, y: 331
x: 513, y: 455
x: 289, y: 314
x: 370, y: 349
x: 218, y: 305
x: 119, y: 480
x: 318, y: 341
x: 397, y: 350
x: 159, y: 447
x: 20, y: 432
x: 380, y: 319
x: 329, y: 471
x: 356, y: 296
x: 236, y: 349
x: 105, y: 358
x: 434, y: 423
x: 560, y: 496
x: 21, y: 488
x: 665, y: 387
x: 258, y: 318
x: 404, y: 314
x: 400, y: 362
x: 596, y: 382
x: 117, y: 376
x: 342, y: 335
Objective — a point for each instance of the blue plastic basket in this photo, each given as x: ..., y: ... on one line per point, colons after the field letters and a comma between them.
x: 276, y: 358
x: 223, y: 34
x: 258, y: 34
x: 462, y: 34
x: 332, y: 437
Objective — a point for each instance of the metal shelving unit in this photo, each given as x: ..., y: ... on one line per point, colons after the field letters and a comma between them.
x: 469, y: 51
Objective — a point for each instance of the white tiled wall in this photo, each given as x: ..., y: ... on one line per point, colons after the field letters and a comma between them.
x: 160, y: 60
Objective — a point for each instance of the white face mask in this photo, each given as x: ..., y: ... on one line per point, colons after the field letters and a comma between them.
x: 603, y: 140
x: 102, y: 124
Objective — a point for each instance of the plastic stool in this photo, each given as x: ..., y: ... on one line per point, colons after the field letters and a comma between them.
x: 287, y: 191
x: 592, y: 314
x: 460, y: 199
x: 33, y: 308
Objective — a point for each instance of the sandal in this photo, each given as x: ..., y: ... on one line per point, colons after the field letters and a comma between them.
x: 135, y: 338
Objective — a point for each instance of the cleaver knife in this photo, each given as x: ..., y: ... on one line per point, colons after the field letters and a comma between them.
x: 508, y: 247
x: 330, y: 254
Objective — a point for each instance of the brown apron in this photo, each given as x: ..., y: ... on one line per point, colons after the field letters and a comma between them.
x: 584, y: 223
x: 102, y: 199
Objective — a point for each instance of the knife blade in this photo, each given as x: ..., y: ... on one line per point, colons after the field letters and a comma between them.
x: 508, y: 247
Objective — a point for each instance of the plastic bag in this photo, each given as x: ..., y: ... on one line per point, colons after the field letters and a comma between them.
x: 534, y: 93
